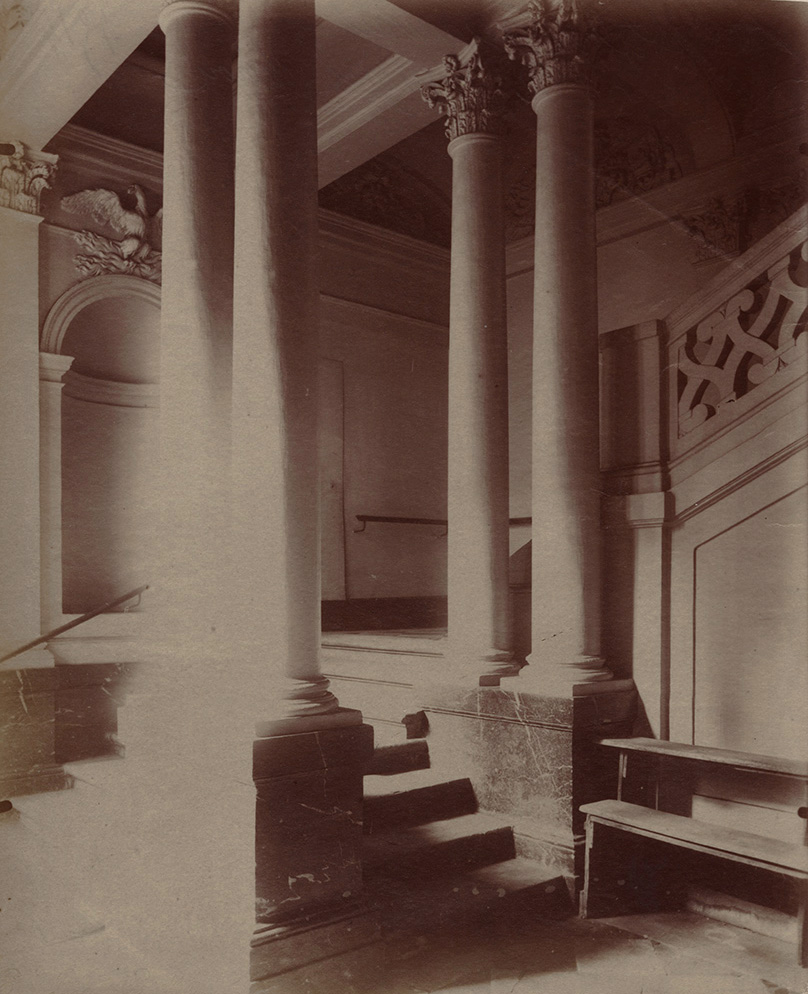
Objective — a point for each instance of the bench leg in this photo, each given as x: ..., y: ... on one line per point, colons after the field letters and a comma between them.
x: 583, y: 900
x: 802, y: 925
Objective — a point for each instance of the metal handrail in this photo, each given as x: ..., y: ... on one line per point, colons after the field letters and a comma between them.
x: 364, y: 518
x: 74, y: 623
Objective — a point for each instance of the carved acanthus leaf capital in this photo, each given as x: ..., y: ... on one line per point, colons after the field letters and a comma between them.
x: 23, y: 176
x: 558, y: 45
x: 470, y: 93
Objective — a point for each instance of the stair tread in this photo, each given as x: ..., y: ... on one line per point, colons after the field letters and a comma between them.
x: 514, y: 874
x: 384, y: 785
x: 415, y: 837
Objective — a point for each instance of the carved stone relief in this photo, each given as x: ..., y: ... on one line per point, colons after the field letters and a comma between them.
x: 383, y: 193
x: 23, y: 176
x: 753, y: 336
x: 727, y: 226
x: 136, y: 253
x: 558, y: 45
x: 632, y: 157
x: 470, y: 94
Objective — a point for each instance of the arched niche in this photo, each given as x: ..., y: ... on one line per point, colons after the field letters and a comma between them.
x: 110, y: 325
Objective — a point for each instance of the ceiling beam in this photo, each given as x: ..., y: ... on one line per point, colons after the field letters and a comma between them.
x: 61, y: 57
x: 392, y: 28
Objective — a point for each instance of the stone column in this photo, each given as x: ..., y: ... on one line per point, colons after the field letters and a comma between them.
x: 558, y: 46
x: 183, y: 816
x: 196, y: 324
x: 470, y: 95
x: 52, y: 368
x: 308, y: 826
x: 23, y: 175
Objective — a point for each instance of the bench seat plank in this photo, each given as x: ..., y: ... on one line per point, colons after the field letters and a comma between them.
x: 706, y: 754
x: 729, y: 843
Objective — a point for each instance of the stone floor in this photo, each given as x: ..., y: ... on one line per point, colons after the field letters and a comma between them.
x: 569, y: 956
x: 534, y: 956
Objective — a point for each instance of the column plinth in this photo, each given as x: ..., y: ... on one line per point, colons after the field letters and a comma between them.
x: 558, y: 47
x: 471, y: 96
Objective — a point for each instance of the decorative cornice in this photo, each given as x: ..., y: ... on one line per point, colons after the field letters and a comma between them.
x: 558, y: 45
x: 23, y: 176
x: 469, y: 92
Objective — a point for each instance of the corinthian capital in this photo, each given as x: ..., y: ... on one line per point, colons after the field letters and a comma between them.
x: 469, y: 93
x: 24, y: 174
x: 557, y: 45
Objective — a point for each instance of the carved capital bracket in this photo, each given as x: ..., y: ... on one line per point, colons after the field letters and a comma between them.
x: 470, y: 93
x: 558, y: 45
x: 24, y: 174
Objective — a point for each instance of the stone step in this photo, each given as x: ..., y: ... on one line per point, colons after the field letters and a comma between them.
x: 401, y: 757
x: 414, y: 798
x: 386, y: 733
x: 450, y: 845
x: 496, y: 892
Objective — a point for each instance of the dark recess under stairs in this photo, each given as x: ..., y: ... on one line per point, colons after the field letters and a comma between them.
x: 432, y: 859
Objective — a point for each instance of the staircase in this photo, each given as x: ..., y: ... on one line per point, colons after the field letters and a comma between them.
x: 432, y: 859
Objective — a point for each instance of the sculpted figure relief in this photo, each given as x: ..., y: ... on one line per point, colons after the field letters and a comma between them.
x: 137, y: 252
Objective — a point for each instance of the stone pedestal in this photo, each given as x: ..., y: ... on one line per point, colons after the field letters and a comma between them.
x: 532, y: 758
x: 308, y: 847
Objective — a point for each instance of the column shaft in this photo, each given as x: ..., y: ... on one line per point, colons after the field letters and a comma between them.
x: 275, y: 360
x: 566, y: 473
x: 196, y: 323
x: 479, y: 631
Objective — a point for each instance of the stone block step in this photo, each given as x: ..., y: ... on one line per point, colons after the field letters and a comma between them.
x: 496, y: 893
x: 414, y: 798
x: 386, y: 733
x: 450, y: 845
x: 401, y: 757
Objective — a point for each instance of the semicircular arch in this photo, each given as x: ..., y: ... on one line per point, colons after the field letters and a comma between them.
x: 82, y: 295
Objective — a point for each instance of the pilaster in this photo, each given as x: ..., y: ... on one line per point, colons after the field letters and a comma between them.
x: 24, y: 174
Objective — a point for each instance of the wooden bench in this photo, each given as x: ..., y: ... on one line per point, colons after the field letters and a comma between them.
x: 759, y: 851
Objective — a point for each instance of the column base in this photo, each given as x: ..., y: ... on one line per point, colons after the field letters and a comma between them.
x: 564, y: 679
x: 338, y: 718
x: 483, y: 669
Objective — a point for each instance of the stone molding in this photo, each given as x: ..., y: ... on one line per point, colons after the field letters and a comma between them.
x: 557, y: 46
x: 220, y: 11
x: 81, y: 295
x: 113, y: 393
x: 470, y: 92
x: 23, y: 176
x: 53, y: 366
